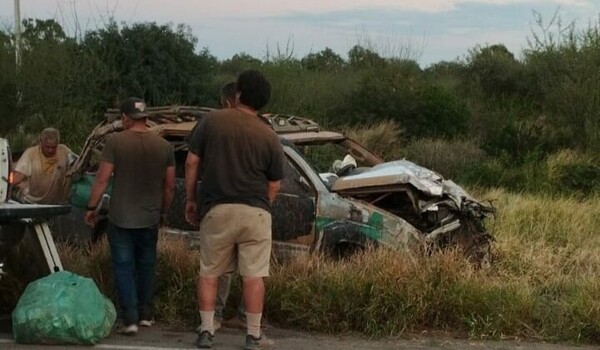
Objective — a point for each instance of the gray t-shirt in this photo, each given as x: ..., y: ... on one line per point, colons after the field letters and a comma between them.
x: 140, y: 161
x: 239, y: 155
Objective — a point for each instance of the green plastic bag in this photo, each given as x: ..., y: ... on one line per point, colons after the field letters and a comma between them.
x: 62, y: 308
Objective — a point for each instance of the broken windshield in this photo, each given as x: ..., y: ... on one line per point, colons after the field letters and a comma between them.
x: 335, y: 156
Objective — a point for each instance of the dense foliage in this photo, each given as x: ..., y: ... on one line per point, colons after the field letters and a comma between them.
x: 527, y: 122
x: 519, y: 110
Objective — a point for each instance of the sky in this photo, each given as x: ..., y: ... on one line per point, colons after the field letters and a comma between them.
x: 427, y: 31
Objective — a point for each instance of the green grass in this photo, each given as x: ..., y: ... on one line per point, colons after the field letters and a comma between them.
x: 543, y: 283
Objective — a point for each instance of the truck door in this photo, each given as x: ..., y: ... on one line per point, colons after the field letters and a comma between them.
x: 294, y: 208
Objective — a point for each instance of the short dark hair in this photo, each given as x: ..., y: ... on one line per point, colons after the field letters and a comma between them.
x: 228, y: 90
x: 254, y: 89
x: 228, y: 93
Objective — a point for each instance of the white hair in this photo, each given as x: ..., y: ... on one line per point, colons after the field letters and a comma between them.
x: 50, y: 135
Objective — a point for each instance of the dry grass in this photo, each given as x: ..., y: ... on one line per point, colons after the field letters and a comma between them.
x: 451, y: 158
x: 543, y: 283
x: 177, y: 268
x: 383, y: 138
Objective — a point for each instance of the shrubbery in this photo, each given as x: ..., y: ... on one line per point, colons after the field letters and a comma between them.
x: 397, y: 94
x: 452, y: 158
x: 570, y: 172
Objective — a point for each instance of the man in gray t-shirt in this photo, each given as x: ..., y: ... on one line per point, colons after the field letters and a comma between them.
x: 143, y: 168
x: 240, y: 162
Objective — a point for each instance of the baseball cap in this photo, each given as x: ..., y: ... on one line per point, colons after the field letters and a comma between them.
x: 134, y: 108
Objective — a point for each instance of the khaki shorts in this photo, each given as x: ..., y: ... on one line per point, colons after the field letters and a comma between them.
x: 233, y: 234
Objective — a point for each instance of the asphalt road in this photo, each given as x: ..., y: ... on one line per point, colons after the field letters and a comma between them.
x: 164, y: 337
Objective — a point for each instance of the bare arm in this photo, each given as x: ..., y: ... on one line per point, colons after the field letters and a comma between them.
x: 17, y: 178
x: 100, y: 183
x: 22, y: 169
x: 273, y: 189
x: 169, y: 189
x: 192, y: 163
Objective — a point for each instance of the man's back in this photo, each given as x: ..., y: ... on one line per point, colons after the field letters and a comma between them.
x: 239, y: 156
x: 140, y: 160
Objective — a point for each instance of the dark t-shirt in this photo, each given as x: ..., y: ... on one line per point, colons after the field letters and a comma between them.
x: 239, y: 155
x: 140, y: 161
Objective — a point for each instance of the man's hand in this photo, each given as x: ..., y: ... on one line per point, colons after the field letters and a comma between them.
x: 272, y: 190
x: 17, y: 178
x: 100, y: 183
x: 90, y: 217
x: 190, y: 213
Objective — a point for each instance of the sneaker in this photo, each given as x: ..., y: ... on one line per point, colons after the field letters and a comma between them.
x: 146, y: 323
x: 205, y: 340
x: 216, y: 326
x: 132, y: 329
x: 263, y: 342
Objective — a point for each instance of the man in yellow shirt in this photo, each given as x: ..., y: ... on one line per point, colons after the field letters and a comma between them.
x: 41, y: 171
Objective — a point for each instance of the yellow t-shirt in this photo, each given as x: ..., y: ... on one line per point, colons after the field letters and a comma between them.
x: 44, y: 176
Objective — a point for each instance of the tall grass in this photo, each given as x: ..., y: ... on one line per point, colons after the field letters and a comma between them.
x: 74, y: 126
x: 177, y: 269
x: 383, y: 138
x: 543, y: 283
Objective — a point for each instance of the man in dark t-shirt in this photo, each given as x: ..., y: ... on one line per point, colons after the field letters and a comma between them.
x: 240, y: 162
x: 143, y: 168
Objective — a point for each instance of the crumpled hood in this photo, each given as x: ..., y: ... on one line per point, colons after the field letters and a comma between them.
x: 402, y: 172
x: 399, y: 172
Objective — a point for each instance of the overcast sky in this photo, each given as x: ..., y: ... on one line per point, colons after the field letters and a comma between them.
x: 426, y: 30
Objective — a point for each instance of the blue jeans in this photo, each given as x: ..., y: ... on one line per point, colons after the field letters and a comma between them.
x: 133, y: 254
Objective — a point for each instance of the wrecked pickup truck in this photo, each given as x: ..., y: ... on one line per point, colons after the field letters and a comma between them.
x: 332, y: 202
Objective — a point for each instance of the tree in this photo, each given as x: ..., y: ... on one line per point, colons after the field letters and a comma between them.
x: 8, y: 89
x: 156, y: 62
x: 36, y: 32
x: 359, y: 57
x: 325, y: 60
x: 395, y: 94
x: 51, y: 68
x: 240, y: 62
x: 496, y: 71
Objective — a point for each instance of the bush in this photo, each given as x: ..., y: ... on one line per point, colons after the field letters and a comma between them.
x: 570, y: 171
x: 313, y: 94
x: 487, y: 174
x: 383, y: 139
x: 440, y: 113
x: 523, y: 140
x: 399, y: 93
x: 529, y: 177
x: 451, y: 158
